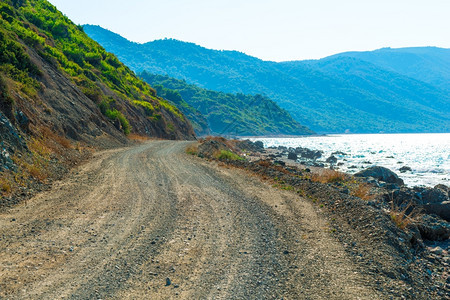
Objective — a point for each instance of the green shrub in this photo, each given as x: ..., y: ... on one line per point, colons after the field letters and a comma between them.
x: 148, y: 107
x: 114, y: 114
x: 228, y: 155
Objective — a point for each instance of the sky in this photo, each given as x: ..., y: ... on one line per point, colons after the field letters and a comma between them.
x: 277, y: 30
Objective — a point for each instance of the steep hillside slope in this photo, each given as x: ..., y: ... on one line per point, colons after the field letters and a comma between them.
x: 323, y: 100
x: 61, y: 92
x: 229, y: 114
x: 427, y: 64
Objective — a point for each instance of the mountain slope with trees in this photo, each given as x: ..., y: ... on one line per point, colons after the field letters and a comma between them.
x: 427, y: 64
x: 228, y: 114
x: 351, y: 99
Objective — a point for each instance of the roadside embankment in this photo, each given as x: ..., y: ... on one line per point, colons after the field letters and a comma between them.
x: 389, y: 229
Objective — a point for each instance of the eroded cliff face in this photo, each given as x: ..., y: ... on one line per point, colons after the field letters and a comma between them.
x: 62, y: 96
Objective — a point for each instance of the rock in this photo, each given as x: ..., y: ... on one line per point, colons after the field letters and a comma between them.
x: 433, y: 229
x: 443, y: 188
x: 209, y: 148
x: 332, y: 159
x: 339, y: 153
x: 168, y: 281
x: 117, y: 124
x: 434, y: 195
x: 307, y: 153
x: 23, y: 121
x: 292, y: 156
x: 380, y: 173
x: 440, y: 209
x: 392, y: 186
x: 247, y: 145
x: 404, y: 169
x: 437, y: 250
x: 279, y: 162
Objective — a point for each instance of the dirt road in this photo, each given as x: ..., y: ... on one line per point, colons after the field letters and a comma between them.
x: 151, y: 222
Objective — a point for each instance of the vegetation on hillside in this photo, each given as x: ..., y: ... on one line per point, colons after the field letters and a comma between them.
x: 61, y: 94
x: 427, y: 64
x: 40, y: 26
x: 352, y: 95
x: 235, y: 114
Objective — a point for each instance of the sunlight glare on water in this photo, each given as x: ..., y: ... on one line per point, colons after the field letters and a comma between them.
x: 428, y: 155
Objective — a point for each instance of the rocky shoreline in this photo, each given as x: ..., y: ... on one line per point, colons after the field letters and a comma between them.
x: 397, y: 234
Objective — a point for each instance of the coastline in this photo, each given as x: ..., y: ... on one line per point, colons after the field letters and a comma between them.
x: 420, y: 159
x: 366, y: 214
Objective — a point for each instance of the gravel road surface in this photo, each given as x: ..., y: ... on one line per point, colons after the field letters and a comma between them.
x: 151, y: 222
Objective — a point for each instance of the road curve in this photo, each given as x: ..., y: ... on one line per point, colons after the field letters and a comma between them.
x: 151, y: 222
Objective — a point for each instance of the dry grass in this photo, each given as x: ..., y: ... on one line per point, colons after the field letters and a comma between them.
x: 329, y: 176
x: 401, y: 217
x: 192, y: 149
x: 37, y: 172
x: 38, y: 147
x: 48, y: 135
x: 138, y: 137
x: 5, y: 186
x: 264, y: 163
x: 362, y: 190
x: 35, y: 166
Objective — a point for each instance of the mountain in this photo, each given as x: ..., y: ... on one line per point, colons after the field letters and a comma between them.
x: 427, y: 64
x: 228, y: 114
x: 61, y: 93
x: 333, y: 95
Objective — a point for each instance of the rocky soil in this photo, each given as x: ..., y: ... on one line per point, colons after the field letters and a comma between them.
x: 409, y: 258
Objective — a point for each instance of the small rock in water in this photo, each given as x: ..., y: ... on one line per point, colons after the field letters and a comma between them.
x: 404, y: 169
x: 332, y: 159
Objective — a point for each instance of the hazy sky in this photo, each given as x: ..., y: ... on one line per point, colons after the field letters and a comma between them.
x: 273, y: 29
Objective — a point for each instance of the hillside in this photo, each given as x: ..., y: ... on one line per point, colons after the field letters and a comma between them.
x: 427, y: 64
x: 228, y: 114
x: 61, y: 94
x: 325, y: 100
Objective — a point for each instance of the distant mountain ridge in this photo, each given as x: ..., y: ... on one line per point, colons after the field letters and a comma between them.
x: 427, y: 64
x: 335, y: 94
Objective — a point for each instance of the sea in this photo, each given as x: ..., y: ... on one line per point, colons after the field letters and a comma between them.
x: 427, y: 155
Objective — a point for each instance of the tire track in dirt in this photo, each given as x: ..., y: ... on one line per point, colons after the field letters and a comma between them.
x: 125, y: 222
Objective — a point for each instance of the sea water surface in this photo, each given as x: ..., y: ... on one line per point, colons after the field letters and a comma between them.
x: 428, y: 155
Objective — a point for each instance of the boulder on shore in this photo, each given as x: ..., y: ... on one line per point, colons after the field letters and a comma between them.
x: 381, y: 174
x: 440, y: 209
x: 434, y: 195
x: 292, y: 156
x: 433, y: 229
